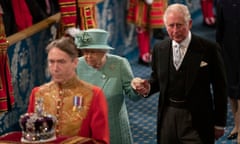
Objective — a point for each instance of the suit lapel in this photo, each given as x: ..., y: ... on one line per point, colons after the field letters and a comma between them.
x: 193, y: 59
x: 164, y: 63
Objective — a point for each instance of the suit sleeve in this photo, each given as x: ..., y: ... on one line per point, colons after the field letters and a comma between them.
x: 154, y: 79
x: 219, y: 85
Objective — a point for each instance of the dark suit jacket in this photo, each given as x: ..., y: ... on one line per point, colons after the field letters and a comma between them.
x: 205, y: 85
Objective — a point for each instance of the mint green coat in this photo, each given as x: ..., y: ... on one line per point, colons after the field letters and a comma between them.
x: 114, y: 78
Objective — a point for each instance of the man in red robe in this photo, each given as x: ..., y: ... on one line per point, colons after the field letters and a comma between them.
x: 80, y: 108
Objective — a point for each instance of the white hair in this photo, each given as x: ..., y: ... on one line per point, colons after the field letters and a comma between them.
x: 177, y: 8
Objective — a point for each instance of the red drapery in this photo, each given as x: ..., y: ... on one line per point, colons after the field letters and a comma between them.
x: 6, y: 88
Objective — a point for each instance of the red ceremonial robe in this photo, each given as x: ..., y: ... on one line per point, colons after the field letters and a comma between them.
x: 91, y: 120
x: 146, y: 17
x: 80, y: 14
x: 22, y: 14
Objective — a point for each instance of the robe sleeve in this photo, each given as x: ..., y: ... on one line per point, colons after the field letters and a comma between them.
x: 31, y: 103
x: 97, y: 119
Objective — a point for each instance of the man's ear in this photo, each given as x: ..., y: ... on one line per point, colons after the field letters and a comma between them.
x: 190, y: 24
x: 75, y: 61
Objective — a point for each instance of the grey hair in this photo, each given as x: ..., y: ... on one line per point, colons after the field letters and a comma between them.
x: 177, y: 8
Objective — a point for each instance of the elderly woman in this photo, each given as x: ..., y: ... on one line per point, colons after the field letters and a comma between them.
x: 110, y: 72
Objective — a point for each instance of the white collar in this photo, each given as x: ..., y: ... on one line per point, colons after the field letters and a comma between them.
x: 185, y: 43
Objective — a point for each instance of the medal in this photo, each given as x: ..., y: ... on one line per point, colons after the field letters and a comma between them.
x: 77, y: 103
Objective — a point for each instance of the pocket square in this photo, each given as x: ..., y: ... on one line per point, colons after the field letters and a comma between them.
x: 203, y: 63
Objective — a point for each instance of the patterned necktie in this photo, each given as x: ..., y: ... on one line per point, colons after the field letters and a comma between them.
x: 177, y: 56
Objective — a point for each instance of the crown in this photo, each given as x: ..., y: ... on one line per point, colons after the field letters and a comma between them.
x: 38, y: 126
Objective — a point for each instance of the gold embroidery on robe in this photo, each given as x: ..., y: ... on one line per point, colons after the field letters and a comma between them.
x: 58, y: 101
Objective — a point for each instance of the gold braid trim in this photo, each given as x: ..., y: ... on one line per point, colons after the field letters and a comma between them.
x: 78, y: 140
x: 67, y: 3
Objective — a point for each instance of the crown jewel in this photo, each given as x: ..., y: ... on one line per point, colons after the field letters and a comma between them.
x: 37, y: 126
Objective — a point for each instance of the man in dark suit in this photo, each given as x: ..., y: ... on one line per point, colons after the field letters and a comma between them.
x: 193, y: 99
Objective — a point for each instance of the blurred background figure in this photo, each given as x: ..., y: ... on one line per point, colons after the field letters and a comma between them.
x: 228, y: 36
x: 207, y: 7
x: 146, y: 15
x: 78, y: 14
